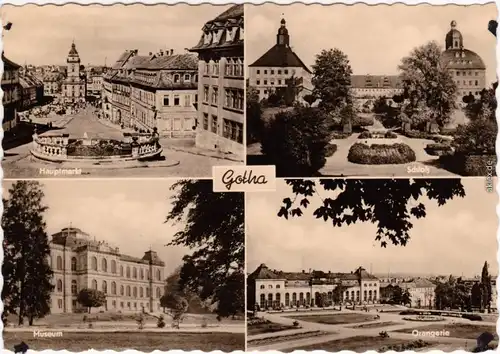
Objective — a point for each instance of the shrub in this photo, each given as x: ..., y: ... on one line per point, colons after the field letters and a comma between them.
x: 330, y: 149
x: 416, y: 134
x: 472, y: 317
x: 405, y: 346
x: 365, y: 135
x: 380, y: 154
x: 362, y: 121
x: 390, y: 135
x: 295, y: 323
x: 296, y: 142
x: 439, y: 149
x: 339, y: 135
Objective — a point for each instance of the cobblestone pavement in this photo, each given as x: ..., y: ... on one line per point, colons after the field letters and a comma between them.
x: 181, y: 159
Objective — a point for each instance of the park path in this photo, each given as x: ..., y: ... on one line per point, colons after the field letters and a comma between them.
x: 342, y: 331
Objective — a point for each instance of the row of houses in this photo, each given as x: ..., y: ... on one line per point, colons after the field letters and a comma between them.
x: 21, y: 91
x: 199, y: 93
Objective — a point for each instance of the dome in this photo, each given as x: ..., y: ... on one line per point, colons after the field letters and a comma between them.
x: 454, y: 38
x: 73, y: 52
x: 462, y: 59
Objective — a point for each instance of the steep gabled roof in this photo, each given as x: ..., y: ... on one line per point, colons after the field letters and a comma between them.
x: 263, y: 272
x: 280, y: 56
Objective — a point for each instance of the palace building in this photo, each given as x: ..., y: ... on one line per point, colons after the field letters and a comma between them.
x: 11, y: 88
x: 221, y: 85
x: 276, y: 289
x: 153, y: 91
x: 272, y: 70
x: 74, y: 88
x: 375, y: 86
x: 466, y: 67
x: 131, y: 284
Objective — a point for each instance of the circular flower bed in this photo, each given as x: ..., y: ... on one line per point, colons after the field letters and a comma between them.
x: 381, y: 154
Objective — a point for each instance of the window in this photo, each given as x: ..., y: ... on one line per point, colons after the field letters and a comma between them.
x: 135, y: 291
x: 128, y: 290
x: 104, y: 287
x: 476, y: 83
x: 104, y: 265
x: 187, y: 77
x: 121, y: 271
x: 272, y: 72
x: 59, y: 285
x: 205, y: 121
x: 94, y: 284
x: 113, y: 288
x: 262, y: 287
x: 265, y: 82
x: 141, y: 292
x: 59, y: 303
x: 113, y: 266
x: 286, y: 71
x: 128, y: 272
x: 158, y: 293
x: 177, y: 100
x: 94, y: 263
x: 205, y: 94
x: 166, y: 101
x: 187, y: 100
x: 258, y: 72
x: 279, y: 82
x: 59, y: 263
x: 74, y: 287
x: 73, y: 260
x: 258, y: 82
x: 122, y: 292
x: 265, y: 72
x: 215, y: 94
x: 176, y: 78
x: 134, y: 272
x: 142, y: 273
x: 233, y: 131
x: 214, y: 124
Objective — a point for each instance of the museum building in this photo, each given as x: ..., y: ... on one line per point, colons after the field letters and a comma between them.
x: 130, y: 284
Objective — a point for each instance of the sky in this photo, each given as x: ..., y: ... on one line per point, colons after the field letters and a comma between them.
x: 375, y: 38
x: 128, y: 214
x: 42, y: 35
x: 456, y: 238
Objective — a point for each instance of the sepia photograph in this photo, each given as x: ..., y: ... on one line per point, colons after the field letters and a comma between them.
x: 117, y: 265
x: 122, y: 90
x: 383, y: 91
x: 374, y: 264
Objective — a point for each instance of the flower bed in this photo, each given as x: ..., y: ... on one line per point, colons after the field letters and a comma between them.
x: 380, y: 154
x: 363, y: 121
x: 340, y: 135
x: 330, y: 149
x: 104, y: 148
x: 416, y: 134
x: 439, y: 149
x: 377, y: 135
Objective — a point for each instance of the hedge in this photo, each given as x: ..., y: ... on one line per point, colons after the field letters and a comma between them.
x: 365, y: 135
x: 472, y: 317
x: 363, y: 121
x: 438, y: 149
x: 381, y: 154
x: 330, y: 149
x: 370, y: 135
x: 470, y: 165
x: 390, y: 135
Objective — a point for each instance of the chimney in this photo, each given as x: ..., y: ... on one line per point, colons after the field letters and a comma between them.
x: 161, y: 52
x: 171, y: 52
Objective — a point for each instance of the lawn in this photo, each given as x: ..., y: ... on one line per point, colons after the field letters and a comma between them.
x: 252, y: 343
x: 357, y: 344
x: 335, y: 319
x: 145, y: 342
x: 376, y: 325
x: 457, y: 330
x: 268, y: 327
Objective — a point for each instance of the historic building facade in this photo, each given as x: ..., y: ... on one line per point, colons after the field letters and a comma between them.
x: 153, y: 91
x: 11, y: 93
x: 130, y: 284
x: 221, y: 83
x: 272, y: 70
x: 275, y: 289
x: 375, y: 86
x: 466, y: 67
x: 32, y: 90
x: 74, y: 88
x: 94, y: 79
x: 52, y: 83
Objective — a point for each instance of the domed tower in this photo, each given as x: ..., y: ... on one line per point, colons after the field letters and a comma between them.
x: 283, y: 38
x: 454, y: 39
x: 73, y: 62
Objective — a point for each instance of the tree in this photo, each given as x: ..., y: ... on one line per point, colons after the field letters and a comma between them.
x: 478, y: 137
x: 254, y: 115
x: 295, y: 141
x: 486, y: 286
x: 172, y: 286
x: 389, y: 203
x: 477, y: 296
x: 426, y: 81
x: 177, y: 306
x: 399, y: 296
x: 91, y: 298
x: 332, y: 79
x: 26, y: 272
x: 482, y: 107
x: 214, y: 229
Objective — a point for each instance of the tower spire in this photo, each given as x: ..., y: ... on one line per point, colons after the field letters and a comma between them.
x: 283, y: 38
